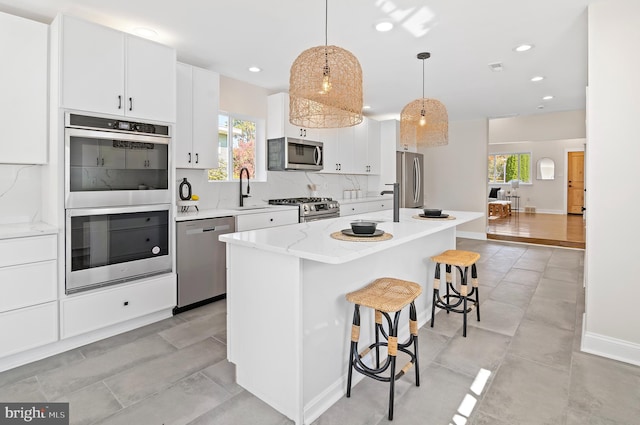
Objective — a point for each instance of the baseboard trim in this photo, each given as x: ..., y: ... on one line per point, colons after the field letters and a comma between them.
x: 67, y: 344
x: 472, y: 235
x: 611, y: 348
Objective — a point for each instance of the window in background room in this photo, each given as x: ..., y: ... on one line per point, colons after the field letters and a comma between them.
x: 505, y: 167
x: 238, y: 139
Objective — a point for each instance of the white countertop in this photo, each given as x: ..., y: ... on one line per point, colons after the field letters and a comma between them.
x: 20, y: 230
x: 366, y: 199
x: 312, y: 241
x: 192, y: 214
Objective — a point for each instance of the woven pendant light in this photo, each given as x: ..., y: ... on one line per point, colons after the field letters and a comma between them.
x: 424, y: 122
x: 325, y: 87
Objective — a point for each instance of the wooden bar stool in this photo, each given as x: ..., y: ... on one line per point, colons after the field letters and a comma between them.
x: 385, y: 295
x: 453, y: 298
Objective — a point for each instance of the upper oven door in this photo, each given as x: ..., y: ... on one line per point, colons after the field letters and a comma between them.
x: 104, y: 168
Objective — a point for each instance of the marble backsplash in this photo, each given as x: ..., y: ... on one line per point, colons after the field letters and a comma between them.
x: 21, y: 189
x: 20, y: 193
x: 282, y: 184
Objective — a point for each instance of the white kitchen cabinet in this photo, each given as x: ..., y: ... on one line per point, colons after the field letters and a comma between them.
x: 353, y: 208
x: 352, y: 150
x: 23, y: 84
x: 107, y: 71
x: 28, y: 284
x: 266, y: 219
x: 98, y: 309
x: 278, y: 124
x: 198, y: 94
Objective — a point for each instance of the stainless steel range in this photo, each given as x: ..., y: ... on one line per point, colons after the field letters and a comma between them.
x: 312, y: 209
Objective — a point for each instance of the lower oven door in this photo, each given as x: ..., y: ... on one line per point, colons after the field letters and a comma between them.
x: 106, y: 246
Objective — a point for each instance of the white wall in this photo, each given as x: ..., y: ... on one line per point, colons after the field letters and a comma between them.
x: 548, y: 196
x: 611, y: 326
x: 456, y: 174
x: 540, y: 127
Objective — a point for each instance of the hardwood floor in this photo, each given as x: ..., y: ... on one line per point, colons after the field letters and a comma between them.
x: 544, y: 229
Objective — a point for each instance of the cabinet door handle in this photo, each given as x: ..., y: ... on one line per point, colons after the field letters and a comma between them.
x: 305, y: 133
x: 97, y: 161
x: 126, y: 303
x: 197, y: 158
x: 131, y: 104
x: 103, y: 162
x: 119, y: 101
x: 189, y: 158
x: 300, y: 132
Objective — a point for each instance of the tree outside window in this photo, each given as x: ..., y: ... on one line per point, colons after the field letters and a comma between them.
x: 503, y: 168
x: 236, y: 148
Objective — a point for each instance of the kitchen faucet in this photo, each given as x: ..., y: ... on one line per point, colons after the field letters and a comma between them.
x: 396, y: 200
x: 242, y: 196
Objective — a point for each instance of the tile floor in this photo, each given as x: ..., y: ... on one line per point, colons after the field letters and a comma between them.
x: 175, y: 372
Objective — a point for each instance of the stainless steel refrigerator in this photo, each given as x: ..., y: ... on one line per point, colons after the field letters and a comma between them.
x: 409, y: 166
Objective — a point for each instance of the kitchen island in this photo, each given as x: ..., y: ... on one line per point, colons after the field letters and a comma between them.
x: 288, y: 322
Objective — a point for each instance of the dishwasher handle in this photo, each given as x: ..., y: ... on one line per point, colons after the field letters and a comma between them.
x: 219, y: 228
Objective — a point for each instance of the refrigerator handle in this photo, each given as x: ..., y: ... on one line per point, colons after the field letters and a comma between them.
x: 416, y: 180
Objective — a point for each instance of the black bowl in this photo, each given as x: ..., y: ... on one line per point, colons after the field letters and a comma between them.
x: 431, y: 212
x: 363, y: 227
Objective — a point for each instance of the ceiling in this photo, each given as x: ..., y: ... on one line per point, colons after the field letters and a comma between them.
x: 463, y: 37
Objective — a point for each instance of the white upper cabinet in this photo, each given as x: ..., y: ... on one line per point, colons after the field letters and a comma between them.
x: 352, y: 150
x: 374, y: 147
x: 197, y: 117
x: 278, y: 124
x: 106, y: 71
x: 23, y: 88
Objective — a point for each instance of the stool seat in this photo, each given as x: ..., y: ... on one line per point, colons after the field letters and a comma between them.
x: 386, y: 294
x: 456, y: 257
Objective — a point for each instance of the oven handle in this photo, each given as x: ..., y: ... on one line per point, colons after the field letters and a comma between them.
x: 110, y: 135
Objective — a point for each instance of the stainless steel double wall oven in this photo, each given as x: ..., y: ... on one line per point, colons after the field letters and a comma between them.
x: 117, y: 201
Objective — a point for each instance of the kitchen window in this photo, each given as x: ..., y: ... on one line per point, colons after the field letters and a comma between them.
x: 505, y: 167
x: 240, y: 144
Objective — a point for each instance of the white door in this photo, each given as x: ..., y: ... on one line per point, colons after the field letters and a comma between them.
x: 150, y: 80
x: 184, y: 117
x: 206, y: 87
x: 92, y: 67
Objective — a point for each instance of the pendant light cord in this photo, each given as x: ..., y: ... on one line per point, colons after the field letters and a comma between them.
x: 326, y: 21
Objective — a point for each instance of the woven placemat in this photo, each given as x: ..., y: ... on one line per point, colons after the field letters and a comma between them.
x: 433, y: 218
x: 342, y: 237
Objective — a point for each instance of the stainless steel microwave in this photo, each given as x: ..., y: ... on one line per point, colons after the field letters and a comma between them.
x: 288, y: 153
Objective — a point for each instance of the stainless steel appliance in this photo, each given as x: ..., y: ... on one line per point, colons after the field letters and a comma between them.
x: 409, y: 166
x: 288, y: 153
x: 111, y: 162
x: 106, y: 246
x: 312, y: 209
x: 201, y: 261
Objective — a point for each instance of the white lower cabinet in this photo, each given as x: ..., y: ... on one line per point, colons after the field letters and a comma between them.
x: 87, y: 312
x: 266, y: 219
x: 353, y: 208
x: 28, y: 293
x: 28, y: 327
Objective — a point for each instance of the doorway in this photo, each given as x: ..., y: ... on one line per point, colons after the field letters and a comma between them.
x: 575, y: 182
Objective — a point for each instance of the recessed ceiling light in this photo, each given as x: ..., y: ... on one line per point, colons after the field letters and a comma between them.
x: 384, y: 26
x: 547, y: 97
x: 254, y: 69
x: 145, y: 32
x: 537, y: 78
x: 523, y: 47
x: 366, y: 107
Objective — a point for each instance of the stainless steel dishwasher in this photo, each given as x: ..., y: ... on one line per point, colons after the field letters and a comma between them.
x: 201, y: 261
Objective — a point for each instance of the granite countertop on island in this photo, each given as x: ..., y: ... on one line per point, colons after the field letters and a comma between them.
x: 312, y: 241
